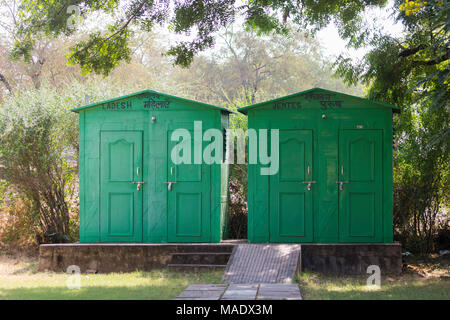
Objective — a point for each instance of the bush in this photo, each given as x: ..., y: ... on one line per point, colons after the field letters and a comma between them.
x: 421, y: 180
x: 35, y: 146
x: 39, y: 162
x: 16, y: 222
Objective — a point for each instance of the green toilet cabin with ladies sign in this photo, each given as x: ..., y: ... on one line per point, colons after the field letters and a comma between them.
x: 334, y: 181
x: 132, y: 189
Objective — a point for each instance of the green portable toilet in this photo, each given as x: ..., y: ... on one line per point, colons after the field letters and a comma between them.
x: 334, y: 181
x: 132, y: 189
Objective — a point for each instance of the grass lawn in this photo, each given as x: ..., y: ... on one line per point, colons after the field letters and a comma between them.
x: 423, y: 278
x: 19, y: 280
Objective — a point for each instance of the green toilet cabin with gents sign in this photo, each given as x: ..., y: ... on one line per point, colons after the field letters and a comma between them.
x: 142, y: 176
x: 333, y: 183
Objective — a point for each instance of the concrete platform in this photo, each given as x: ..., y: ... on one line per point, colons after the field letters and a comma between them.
x: 128, y: 257
x: 343, y: 258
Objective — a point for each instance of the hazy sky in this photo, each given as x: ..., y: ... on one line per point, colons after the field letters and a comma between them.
x: 334, y: 45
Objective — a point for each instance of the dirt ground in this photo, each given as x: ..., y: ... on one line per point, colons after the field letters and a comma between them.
x: 431, y: 266
x: 14, y: 262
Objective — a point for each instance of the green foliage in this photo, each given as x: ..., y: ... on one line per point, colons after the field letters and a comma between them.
x: 412, y: 71
x: 421, y: 180
x: 199, y: 19
x: 22, y: 49
x: 101, y: 54
x: 32, y: 144
x: 207, y: 17
x: 38, y: 161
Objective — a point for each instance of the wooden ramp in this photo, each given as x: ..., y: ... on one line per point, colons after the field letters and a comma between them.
x: 262, y: 263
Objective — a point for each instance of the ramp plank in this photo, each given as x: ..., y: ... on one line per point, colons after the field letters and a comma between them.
x: 262, y: 263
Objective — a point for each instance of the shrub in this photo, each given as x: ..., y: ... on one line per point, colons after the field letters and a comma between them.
x: 421, y: 180
x: 38, y: 161
x: 16, y: 222
x: 34, y: 135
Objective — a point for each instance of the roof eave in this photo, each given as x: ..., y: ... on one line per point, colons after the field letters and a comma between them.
x: 245, y: 109
x: 148, y: 91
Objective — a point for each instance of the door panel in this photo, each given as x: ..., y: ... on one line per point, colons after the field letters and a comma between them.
x: 292, y: 215
x: 290, y: 200
x: 120, y: 203
x: 120, y: 214
x: 360, y: 167
x: 188, y: 214
x: 189, y: 210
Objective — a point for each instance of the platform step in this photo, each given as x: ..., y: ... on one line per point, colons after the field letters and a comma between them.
x: 195, y: 248
x: 194, y: 267
x: 212, y: 258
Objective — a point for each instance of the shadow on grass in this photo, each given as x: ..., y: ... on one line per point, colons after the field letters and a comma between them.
x: 28, y: 268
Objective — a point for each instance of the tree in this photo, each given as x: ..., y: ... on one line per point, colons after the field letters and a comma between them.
x: 412, y: 71
x: 245, y: 68
x: 46, y: 60
x: 200, y: 19
x: 412, y: 68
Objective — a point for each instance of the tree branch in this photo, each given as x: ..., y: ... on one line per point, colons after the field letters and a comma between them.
x: 437, y: 60
x: 409, y: 52
x: 131, y: 18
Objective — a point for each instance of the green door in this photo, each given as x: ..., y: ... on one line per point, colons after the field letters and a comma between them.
x: 121, y: 202
x: 360, y: 194
x: 189, y: 198
x: 290, y: 199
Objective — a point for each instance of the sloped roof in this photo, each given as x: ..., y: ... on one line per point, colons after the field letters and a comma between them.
x: 149, y: 91
x: 244, y: 110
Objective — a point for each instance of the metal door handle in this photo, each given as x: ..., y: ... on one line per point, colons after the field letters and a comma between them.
x: 309, y: 183
x: 170, y: 183
x: 139, y: 183
x: 341, y: 184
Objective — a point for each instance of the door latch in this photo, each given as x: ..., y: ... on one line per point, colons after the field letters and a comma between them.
x: 341, y: 184
x: 169, y: 185
x: 309, y: 183
x: 139, y: 183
